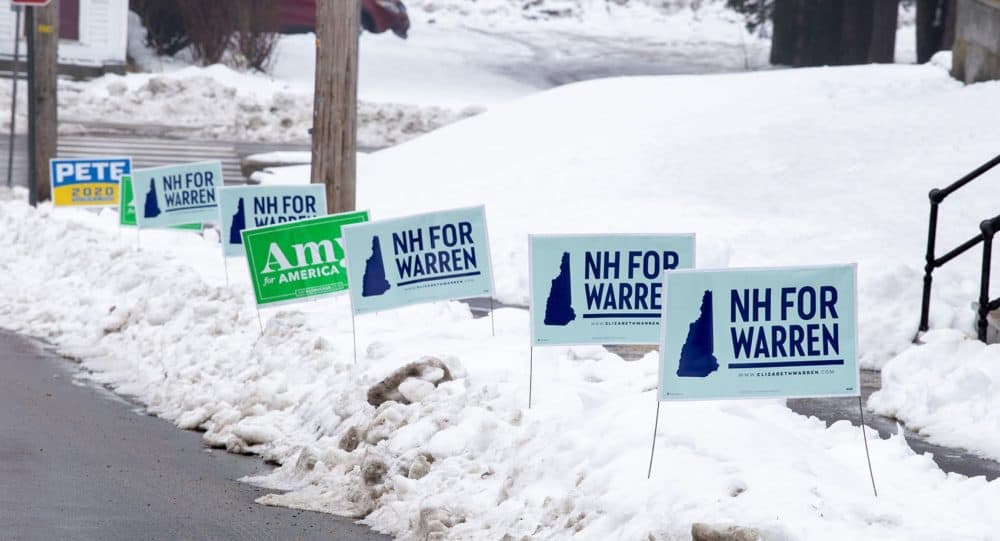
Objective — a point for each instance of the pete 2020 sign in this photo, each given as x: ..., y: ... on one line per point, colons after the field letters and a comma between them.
x: 248, y: 207
x: 422, y: 258
x: 298, y: 260
x: 176, y: 194
x: 759, y: 333
x: 601, y: 289
x: 87, y: 182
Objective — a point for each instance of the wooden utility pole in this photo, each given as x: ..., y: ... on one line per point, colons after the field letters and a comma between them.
x: 43, y: 51
x: 334, y: 143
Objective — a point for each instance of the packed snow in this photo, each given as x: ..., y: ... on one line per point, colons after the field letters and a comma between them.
x: 947, y: 389
x: 428, y: 434
x: 219, y: 103
x: 457, y: 455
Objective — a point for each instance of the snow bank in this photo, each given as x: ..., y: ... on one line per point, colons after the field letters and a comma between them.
x: 465, y: 459
x: 219, y: 103
x: 947, y: 389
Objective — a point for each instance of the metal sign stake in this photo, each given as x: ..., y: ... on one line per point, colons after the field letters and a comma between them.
x: 871, y: 474
x: 652, y: 449
x: 531, y: 373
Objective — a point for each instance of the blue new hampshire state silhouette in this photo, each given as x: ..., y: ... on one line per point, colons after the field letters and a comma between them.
x: 239, y: 224
x: 559, y: 304
x: 152, y: 207
x: 374, y: 283
x: 697, y: 359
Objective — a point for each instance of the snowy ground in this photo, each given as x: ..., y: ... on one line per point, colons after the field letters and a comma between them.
x: 460, y: 58
x: 948, y: 389
x: 456, y: 62
x: 806, y: 167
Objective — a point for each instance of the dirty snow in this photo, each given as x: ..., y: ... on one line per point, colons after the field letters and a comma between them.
x: 465, y: 460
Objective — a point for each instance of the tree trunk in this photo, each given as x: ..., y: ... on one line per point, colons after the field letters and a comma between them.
x: 833, y: 32
x: 334, y: 144
x: 883, y: 38
x: 855, y: 36
x: 935, y: 27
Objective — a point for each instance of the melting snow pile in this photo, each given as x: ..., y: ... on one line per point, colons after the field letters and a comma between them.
x: 218, y: 103
x: 947, y: 389
x: 428, y: 435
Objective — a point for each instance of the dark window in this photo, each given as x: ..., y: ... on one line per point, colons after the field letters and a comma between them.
x: 69, y: 19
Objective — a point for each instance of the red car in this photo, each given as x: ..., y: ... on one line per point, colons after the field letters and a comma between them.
x: 377, y: 16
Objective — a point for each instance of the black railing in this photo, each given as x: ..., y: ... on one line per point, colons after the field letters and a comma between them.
x: 988, y: 228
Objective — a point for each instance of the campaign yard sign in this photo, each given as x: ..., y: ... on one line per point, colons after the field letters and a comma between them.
x: 126, y: 206
x: 601, y: 289
x: 176, y: 194
x: 298, y: 260
x: 422, y: 258
x: 248, y: 207
x: 756, y: 333
x: 87, y: 182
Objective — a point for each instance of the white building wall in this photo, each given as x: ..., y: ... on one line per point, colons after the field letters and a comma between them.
x: 103, y: 34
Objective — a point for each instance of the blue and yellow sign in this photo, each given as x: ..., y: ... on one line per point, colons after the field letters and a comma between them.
x: 759, y: 333
x: 87, y: 182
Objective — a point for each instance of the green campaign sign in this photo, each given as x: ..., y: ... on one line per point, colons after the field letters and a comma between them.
x: 299, y: 260
x: 126, y: 206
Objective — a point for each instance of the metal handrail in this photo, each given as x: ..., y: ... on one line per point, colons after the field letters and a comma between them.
x: 988, y: 228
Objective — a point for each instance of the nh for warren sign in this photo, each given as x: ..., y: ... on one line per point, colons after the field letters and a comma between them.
x: 601, y: 289
x: 248, y: 207
x: 759, y: 333
x: 436, y: 256
x: 176, y: 194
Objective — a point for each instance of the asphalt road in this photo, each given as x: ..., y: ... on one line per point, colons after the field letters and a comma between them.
x: 79, y: 463
x: 554, y: 57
